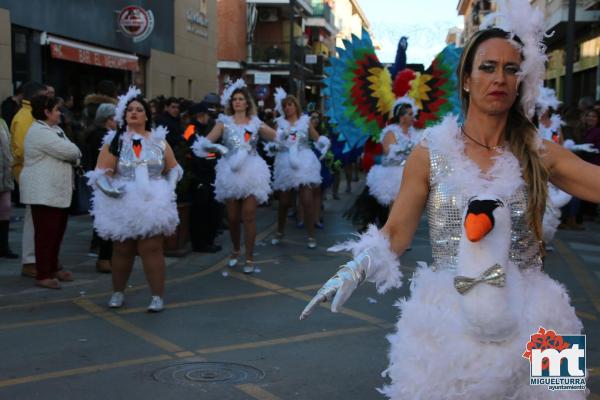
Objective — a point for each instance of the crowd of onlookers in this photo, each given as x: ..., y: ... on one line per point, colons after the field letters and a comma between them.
x: 582, y: 125
x: 48, y: 142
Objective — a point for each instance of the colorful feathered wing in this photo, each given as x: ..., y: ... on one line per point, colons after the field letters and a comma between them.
x: 435, y: 90
x: 358, y: 90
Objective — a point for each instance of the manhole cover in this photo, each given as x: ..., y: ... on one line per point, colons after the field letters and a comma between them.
x: 199, y: 373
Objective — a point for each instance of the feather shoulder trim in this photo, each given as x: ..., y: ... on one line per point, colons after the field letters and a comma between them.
x: 463, y: 174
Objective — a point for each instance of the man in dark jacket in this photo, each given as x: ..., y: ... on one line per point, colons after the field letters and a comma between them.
x: 170, y: 120
x: 206, y: 212
x: 11, y: 105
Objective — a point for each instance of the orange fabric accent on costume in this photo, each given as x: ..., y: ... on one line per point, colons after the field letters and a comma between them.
x: 555, y: 138
x: 189, y: 132
x: 247, y: 136
x: 477, y: 226
x: 137, y: 149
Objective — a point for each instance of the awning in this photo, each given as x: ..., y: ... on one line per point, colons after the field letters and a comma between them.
x: 70, y: 50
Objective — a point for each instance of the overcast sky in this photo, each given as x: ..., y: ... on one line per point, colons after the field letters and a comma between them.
x: 425, y: 22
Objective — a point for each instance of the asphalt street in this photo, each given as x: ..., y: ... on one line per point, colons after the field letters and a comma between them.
x: 225, y: 335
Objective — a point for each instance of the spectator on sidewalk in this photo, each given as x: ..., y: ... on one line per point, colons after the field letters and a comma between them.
x: 104, y: 122
x: 18, y: 130
x: 591, y: 135
x: 11, y: 105
x: 170, y: 120
x: 206, y: 213
x: 47, y: 186
x: 106, y: 92
x: 6, y: 186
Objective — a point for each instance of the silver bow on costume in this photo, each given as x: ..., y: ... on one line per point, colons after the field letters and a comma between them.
x: 494, y: 276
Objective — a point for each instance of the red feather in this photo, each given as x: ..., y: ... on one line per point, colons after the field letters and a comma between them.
x: 402, y: 82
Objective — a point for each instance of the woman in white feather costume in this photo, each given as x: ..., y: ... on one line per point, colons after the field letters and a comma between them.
x: 243, y: 179
x: 463, y: 331
x: 296, y: 165
x: 398, y: 140
x: 549, y: 128
x: 134, y: 196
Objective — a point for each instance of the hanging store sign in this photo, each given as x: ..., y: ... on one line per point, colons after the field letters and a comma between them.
x: 135, y: 22
x: 262, y: 78
x: 71, y: 50
x: 197, y: 22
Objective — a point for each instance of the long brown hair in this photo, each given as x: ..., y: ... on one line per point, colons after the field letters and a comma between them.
x: 520, y: 134
x: 251, y: 107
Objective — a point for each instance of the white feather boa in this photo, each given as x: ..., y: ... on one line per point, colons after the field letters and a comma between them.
x: 502, y: 180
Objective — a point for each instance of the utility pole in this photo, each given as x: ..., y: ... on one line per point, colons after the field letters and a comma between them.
x: 570, y: 54
x: 292, y: 47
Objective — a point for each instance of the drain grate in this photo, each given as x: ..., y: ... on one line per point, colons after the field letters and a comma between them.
x: 201, y: 373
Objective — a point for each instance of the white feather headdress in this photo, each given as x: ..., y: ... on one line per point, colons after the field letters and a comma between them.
x: 228, y: 91
x: 132, y: 93
x: 406, y: 100
x: 280, y: 94
x: 520, y: 19
x: 546, y: 99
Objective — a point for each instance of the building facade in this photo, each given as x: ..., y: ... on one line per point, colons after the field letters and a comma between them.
x: 166, y: 48
x: 272, y: 43
x: 586, y: 51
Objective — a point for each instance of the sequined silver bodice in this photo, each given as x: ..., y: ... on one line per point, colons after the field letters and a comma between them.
x: 445, y: 220
x: 294, y: 135
x: 404, y: 143
x: 236, y: 137
x: 152, y: 154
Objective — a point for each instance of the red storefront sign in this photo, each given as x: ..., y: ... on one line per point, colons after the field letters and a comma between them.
x: 85, y: 54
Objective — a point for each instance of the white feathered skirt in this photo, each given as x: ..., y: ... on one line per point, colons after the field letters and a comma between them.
x: 143, y: 211
x: 242, y: 175
x: 384, y: 183
x: 432, y: 356
x: 293, y: 169
x: 556, y: 199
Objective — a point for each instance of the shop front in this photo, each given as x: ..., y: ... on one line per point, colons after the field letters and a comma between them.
x: 164, y: 47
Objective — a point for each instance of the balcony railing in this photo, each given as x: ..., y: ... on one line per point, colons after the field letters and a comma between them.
x: 275, y: 52
x: 278, y: 52
x: 323, y: 10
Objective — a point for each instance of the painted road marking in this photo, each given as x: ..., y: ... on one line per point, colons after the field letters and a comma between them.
x: 589, y: 285
x: 256, y: 392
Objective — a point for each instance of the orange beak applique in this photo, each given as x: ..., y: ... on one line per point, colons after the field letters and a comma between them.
x: 477, y: 226
x: 479, y: 220
x: 247, y: 136
x: 137, y: 147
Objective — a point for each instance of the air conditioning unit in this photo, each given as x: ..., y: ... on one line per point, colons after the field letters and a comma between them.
x: 267, y: 15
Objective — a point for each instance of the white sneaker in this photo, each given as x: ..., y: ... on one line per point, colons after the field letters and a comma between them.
x: 233, y: 260
x: 116, y: 300
x: 311, y: 243
x: 277, y: 239
x: 248, y: 267
x: 156, y: 304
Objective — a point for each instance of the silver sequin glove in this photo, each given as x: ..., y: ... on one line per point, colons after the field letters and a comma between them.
x: 585, y: 148
x: 341, y: 286
x: 174, y: 175
x: 202, y: 147
x: 105, y: 184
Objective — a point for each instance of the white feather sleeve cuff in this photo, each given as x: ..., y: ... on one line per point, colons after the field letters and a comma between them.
x: 384, y: 268
x: 323, y: 145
